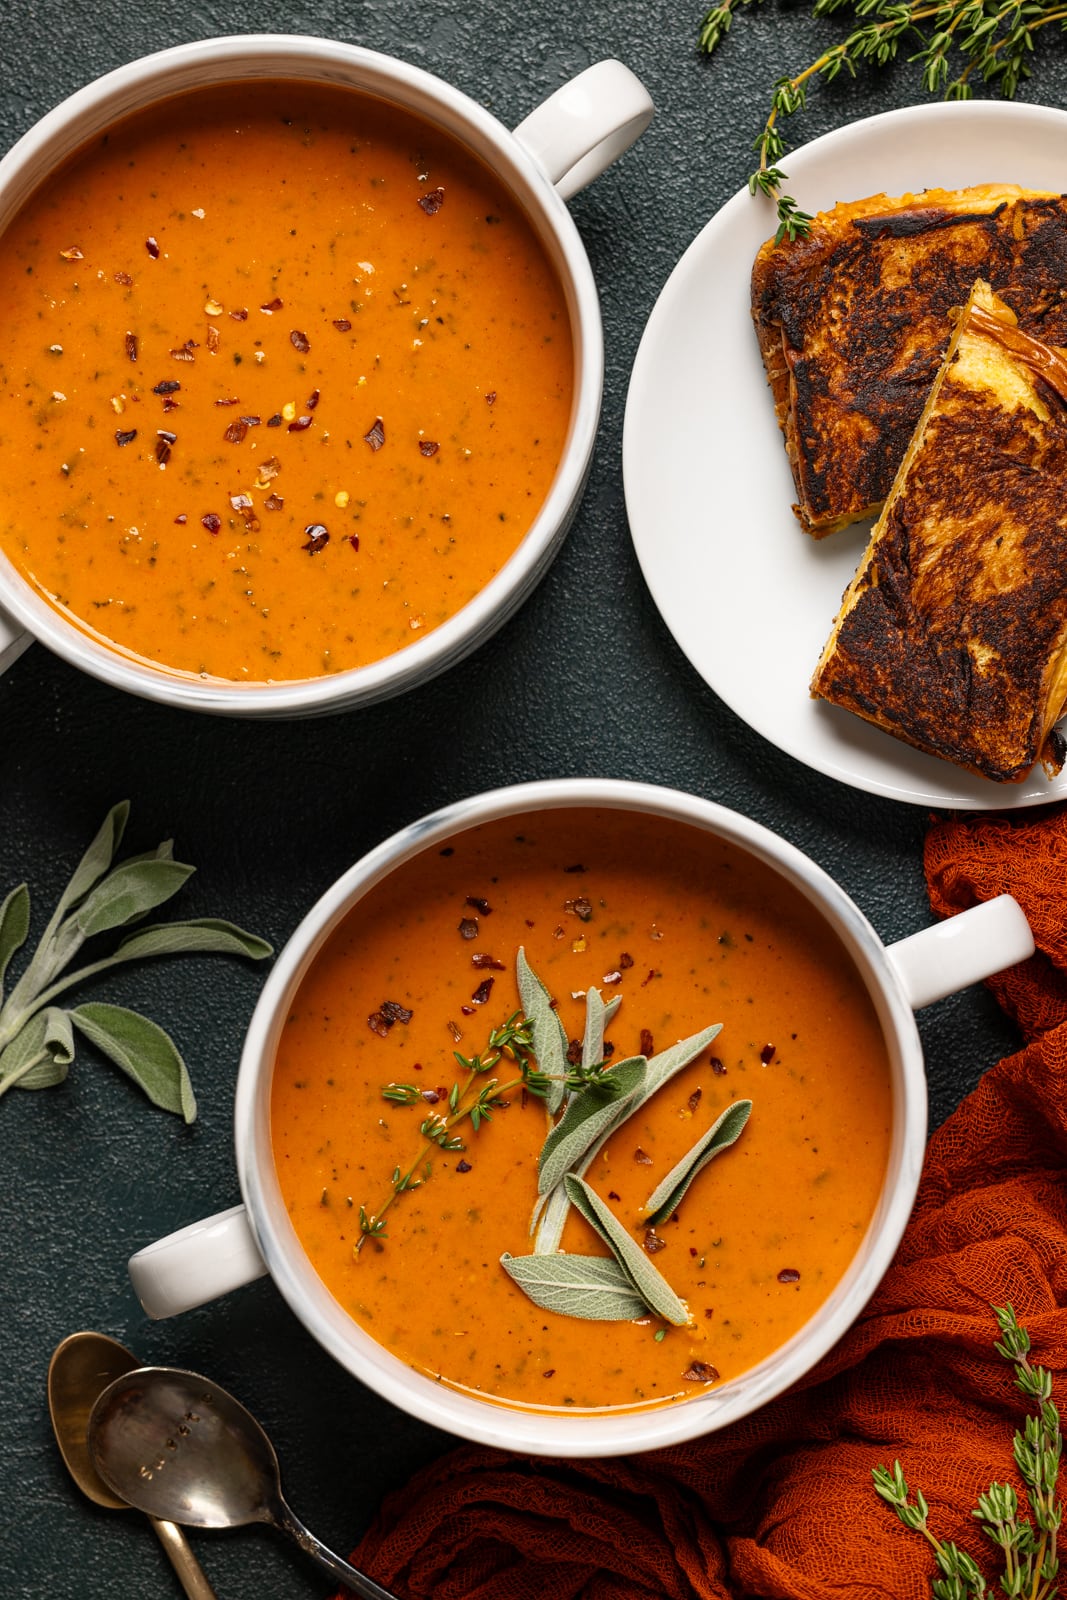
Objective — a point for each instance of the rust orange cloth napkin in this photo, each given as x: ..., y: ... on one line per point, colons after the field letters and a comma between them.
x: 782, y: 1504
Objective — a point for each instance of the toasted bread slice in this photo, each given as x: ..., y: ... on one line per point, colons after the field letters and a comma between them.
x: 953, y: 633
x: 853, y: 321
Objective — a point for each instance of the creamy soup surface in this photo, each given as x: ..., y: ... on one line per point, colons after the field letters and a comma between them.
x: 688, y: 931
x: 285, y: 379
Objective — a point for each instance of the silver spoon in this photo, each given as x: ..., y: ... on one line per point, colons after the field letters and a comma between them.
x: 175, y: 1445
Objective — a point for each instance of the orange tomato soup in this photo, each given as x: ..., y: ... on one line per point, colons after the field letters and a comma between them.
x: 689, y: 931
x: 286, y: 377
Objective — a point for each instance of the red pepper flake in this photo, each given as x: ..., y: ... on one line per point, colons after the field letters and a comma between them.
x: 652, y: 1241
x: 251, y: 422
x: 700, y: 1372
x: 236, y: 431
x: 181, y: 519
x: 130, y: 341
x: 73, y: 254
x: 171, y: 386
x: 271, y: 306
x: 549, y: 1372
x: 212, y: 338
x: 457, y: 1033
x: 342, y: 324
x: 431, y: 1096
x: 241, y: 502
x: 300, y: 341
x: 609, y: 1048
x: 625, y: 961
x: 468, y: 928
x: 581, y: 908
x: 490, y: 398
x: 766, y: 1055
x: 123, y: 278
x: 395, y: 1011
x: 152, y: 247
x: 275, y: 421
x: 479, y: 904
x: 642, y: 1158
x: 273, y: 502
x: 467, y: 1011
x: 613, y: 1196
x: 240, y: 315
x: 487, y: 961
x: 709, y: 1313
x: 652, y: 973
x: 483, y: 991
x: 375, y: 435
x: 574, y: 1052
x: 231, y: 401
x: 125, y: 436
x: 694, y: 1099
x: 185, y: 351
x: 718, y: 1067
x: 378, y: 1024
x: 646, y: 1041
x: 353, y: 539
x: 298, y: 424
x: 165, y: 442
x: 612, y: 977
x: 463, y: 1166
x: 318, y: 538
x: 312, y: 400
x: 428, y: 447
x: 170, y: 405
x: 432, y: 201
x: 211, y: 522
x: 789, y: 1275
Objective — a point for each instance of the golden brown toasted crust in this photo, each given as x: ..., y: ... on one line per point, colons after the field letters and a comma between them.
x: 853, y: 321
x: 953, y: 633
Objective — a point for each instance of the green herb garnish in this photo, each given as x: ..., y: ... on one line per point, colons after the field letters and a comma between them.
x: 954, y: 44
x: 37, y: 1037
x: 1028, y: 1543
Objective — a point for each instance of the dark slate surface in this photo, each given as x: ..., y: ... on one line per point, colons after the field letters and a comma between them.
x: 586, y: 680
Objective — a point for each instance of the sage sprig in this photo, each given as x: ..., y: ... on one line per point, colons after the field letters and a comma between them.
x: 1028, y: 1542
x: 649, y: 1284
x: 667, y: 1196
x: 594, y: 1288
x: 37, y: 1037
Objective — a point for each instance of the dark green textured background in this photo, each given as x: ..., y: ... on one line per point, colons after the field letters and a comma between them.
x: 585, y: 680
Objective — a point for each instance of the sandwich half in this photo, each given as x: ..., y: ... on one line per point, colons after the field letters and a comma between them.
x: 853, y: 320
x: 953, y: 633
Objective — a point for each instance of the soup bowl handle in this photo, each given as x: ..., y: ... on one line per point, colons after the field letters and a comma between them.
x: 197, y: 1264
x: 586, y: 125
x: 13, y: 641
x: 941, y: 960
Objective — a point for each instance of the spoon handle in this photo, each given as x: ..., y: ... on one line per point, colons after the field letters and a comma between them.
x: 357, y: 1581
x: 180, y: 1555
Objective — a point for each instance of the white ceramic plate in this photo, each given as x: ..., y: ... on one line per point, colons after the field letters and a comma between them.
x: 748, y: 596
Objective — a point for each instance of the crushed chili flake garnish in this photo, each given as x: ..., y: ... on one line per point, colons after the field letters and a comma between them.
x: 211, y: 522
x: 300, y: 341
x: 212, y: 338
x: 251, y: 422
x: 581, y: 908
x: 130, y: 342
x: 766, y: 1055
x: 312, y: 400
x: 275, y: 421
x: 625, y: 961
x: 717, y: 1067
x: 694, y: 1099
x: 298, y: 424
x: 457, y: 1033
x: 73, y: 254
x: 612, y: 977
x: 171, y: 386
x: 395, y: 1011
x: 431, y: 1096
x: 432, y: 201
x: 273, y: 502
x: 271, y: 306
x: 789, y: 1275
x: 269, y: 469
x: 240, y: 315
x: 700, y: 1372
x: 169, y: 404
x: 428, y: 447
x: 612, y: 1195
x: 377, y: 1024
x: 709, y: 1313
x: 609, y: 1050
x: 241, y: 502
x: 487, y: 961
x: 353, y: 539
x: 181, y: 519
x: 463, y: 1166
x: 375, y: 435
x: 231, y: 400
x: 652, y: 1241
x: 642, y: 1157
x: 152, y: 247
x: 467, y: 1011
x: 490, y: 398
x: 549, y: 1372
x: 574, y: 1052
x: 236, y: 431
x: 342, y: 324
x: 468, y: 928
x: 184, y: 352
x: 164, y: 444
x: 646, y: 1041
x: 125, y: 436
x: 123, y: 278
x: 476, y: 901
x: 318, y: 537
x: 483, y: 991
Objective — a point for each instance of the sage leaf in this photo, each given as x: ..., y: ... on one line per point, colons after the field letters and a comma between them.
x: 209, y: 935
x: 597, y: 1017
x: 592, y: 1287
x: 724, y: 1132
x: 129, y: 892
x: 648, y: 1282
x: 549, y: 1039
x: 14, y: 926
x: 97, y: 859
x: 142, y: 1050
x: 585, y: 1118
x: 40, y: 1054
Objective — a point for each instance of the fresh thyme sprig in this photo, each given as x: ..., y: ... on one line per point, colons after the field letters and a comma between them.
x: 955, y: 42
x: 1028, y: 1543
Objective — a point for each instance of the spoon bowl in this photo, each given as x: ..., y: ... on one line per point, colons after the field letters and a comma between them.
x: 175, y: 1445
